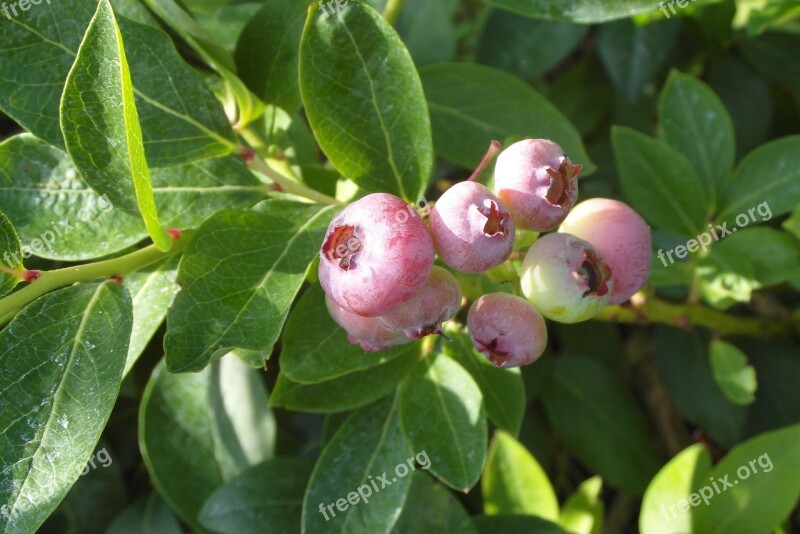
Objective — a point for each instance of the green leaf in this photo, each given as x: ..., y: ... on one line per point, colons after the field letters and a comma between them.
x: 146, y: 516
x: 442, y: 411
x: 583, y: 398
x: 270, y: 493
x: 62, y: 360
x: 432, y: 507
x: 770, y: 176
x: 239, y: 275
x: 632, y: 54
x: 765, y: 475
x: 45, y: 199
x: 40, y: 49
x: 583, y: 512
x: 349, y: 391
x: 735, y: 378
x: 515, y: 483
x: 774, y: 255
x: 683, y: 366
x: 695, y: 123
x: 583, y: 11
x: 514, y: 524
x: 361, y: 481
x: 502, y: 389
x: 792, y: 224
x: 195, y: 429
x: 11, y: 250
x: 101, y: 125
x: 525, y: 47
x: 152, y: 290
x: 315, y: 348
x: 772, y: 55
x: 659, y: 183
x: 727, y: 277
x: 687, y: 471
x: 268, y: 50
x: 471, y: 105
x: 364, y: 100
x: 429, y: 31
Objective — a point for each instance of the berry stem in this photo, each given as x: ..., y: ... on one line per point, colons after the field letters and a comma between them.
x: 288, y: 185
x: 494, y: 149
x: 51, y: 280
x: 392, y: 10
x: 653, y: 310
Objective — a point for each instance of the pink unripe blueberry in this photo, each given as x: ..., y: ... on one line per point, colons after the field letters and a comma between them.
x: 621, y: 236
x: 367, y: 332
x: 371, y: 259
x: 566, y: 278
x: 472, y: 229
x: 537, y: 182
x: 507, y: 330
x: 436, y: 301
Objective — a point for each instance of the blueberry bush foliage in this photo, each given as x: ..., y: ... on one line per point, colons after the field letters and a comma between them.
x: 168, y: 171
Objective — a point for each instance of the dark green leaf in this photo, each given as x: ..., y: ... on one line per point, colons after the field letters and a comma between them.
x: 514, y: 482
x: 45, y: 199
x: 361, y: 481
x: 349, y: 391
x: 62, y: 359
x: 315, y: 348
x: 502, y: 389
x: 633, y: 53
x: 583, y: 398
x: 584, y: 11
x: 364, y: 100
x: 769, y: 176
x: 194, y: 430
x: 428, y: 30
x: 471, y: 105
x: 268, y: 50
x: 270, y: 493
x: 774, y: 255
x: 442, y: 411
x: 431, y: 507
x: 695, y: 123
x: 151, y: 515
x: 773, y: 56
x: 660, y: 184
x: 101, y: 125
x: 239, y: 275
x: 11, y: 250
x: 514, y: 524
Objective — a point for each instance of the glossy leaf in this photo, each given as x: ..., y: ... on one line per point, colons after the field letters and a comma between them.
x: 503, y: 390
x: 512, y: 524
x: 774, y: 255
x: 315, y: 348
x: 11, y: 251
x: 659, y: 183
x: 770, y: 174
x: 442, y: 411
x: 584, y: 11
x: 686, y: 472
x: 191, y: 438
x: 146, y: 515
x: 471, y: 104
x: 349, y: 391
x: 363, y: 473
x: 695, y: 123
x: 40, y: 49
x: 101, y: 125
x: 764, y: 472
x: 736, y: 379
x: 514, y: 482
x: 364, y: 100
x: 270, y: 493
x: 584, y: 398
x: 45, y: 199
x: 62, y: 359
x: 239, y: 275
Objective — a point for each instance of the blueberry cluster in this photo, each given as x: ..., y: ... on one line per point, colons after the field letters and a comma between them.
x: 382, y: 287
